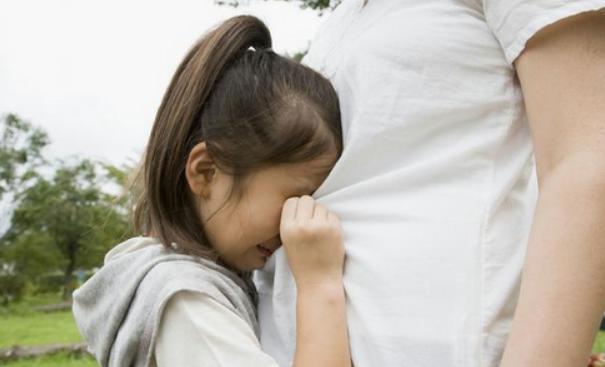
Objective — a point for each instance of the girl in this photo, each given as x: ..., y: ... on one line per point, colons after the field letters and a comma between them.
x: 241, y: 139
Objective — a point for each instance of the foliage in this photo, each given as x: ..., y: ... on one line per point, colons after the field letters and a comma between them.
x: 65, y: 222
x: 20, y: 152
x: 50, y: 282
x: 299, y: 56
x: 319, y: 5
x: 11, y: 287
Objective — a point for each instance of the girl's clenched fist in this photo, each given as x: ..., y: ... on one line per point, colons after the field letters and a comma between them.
x: 312, y: 238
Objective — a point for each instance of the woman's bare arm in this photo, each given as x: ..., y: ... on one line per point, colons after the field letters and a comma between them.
x: 562, y: 74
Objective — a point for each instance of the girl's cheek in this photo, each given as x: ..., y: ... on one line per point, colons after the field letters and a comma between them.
x: 270, y: 220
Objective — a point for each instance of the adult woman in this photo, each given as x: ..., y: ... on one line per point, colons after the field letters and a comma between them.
x: 443, y: 105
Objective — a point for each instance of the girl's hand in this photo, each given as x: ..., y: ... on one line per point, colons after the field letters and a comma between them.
x: 312, y: 238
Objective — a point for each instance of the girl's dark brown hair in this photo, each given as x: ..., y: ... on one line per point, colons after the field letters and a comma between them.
x: 253, y: 108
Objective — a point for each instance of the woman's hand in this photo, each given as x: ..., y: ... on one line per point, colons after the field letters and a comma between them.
x: 312, y: 238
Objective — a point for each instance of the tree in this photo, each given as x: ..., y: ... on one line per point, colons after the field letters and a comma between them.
x: 21, y: 145
x: 319, y: 5
x: 300, y: 55
x: 66, y: 222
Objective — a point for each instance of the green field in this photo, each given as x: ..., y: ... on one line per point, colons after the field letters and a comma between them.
x: 38, y: 329
x: 599, y: 344
x: 57, y: 360
x: 23, y: 326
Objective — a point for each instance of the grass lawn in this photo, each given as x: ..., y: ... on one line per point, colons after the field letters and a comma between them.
x: 599, y: 344
x: 22, y: 325
x: 57, y: 360
x: 38, y: 328
x: 27, y: 304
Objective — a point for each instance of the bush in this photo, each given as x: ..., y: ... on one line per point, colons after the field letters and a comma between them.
x: 11, y: 288
x: 50, y: 283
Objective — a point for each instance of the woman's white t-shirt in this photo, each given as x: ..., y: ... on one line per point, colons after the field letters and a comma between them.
x: 435, y: 188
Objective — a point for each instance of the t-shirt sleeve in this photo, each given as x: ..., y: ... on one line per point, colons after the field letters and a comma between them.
x: 514, y: 22
x: 196, y: 330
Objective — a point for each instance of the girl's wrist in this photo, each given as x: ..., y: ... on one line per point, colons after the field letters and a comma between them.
x: 329, y: 288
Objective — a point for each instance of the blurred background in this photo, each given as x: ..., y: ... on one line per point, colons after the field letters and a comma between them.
x: 80, y: 82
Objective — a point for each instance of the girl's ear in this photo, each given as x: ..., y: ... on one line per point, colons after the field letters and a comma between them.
x: 200, y: 170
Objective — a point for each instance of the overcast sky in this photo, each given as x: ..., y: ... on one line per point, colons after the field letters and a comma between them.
x: 92, y: 73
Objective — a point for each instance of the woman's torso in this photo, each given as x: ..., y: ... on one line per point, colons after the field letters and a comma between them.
x: 435, y: 187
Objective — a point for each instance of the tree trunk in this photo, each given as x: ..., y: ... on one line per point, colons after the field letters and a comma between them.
x: 69, y: 271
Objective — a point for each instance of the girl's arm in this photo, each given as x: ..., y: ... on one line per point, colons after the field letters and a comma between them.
x: 312, y: 240
x: 321, y: 332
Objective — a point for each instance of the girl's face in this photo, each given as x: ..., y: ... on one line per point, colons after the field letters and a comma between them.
x: 246, y: 232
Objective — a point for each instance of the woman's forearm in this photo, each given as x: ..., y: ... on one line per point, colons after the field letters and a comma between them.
x: 562, y: 295
x: 321, y: 326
